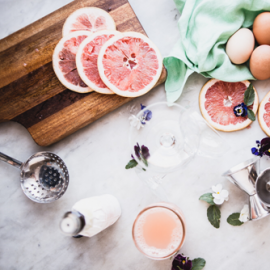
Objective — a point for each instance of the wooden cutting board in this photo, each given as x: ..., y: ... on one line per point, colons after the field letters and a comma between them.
x: 31, y: 94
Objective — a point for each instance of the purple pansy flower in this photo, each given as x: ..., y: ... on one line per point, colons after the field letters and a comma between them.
x: 263, y: 147
x: 181, y: 262
x: 141, y: 152
x: 240, y: 110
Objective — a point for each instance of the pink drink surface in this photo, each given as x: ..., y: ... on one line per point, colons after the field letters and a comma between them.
x: 158, y: 232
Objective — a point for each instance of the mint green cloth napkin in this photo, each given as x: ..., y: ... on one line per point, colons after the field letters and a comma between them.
x: 205, y: 26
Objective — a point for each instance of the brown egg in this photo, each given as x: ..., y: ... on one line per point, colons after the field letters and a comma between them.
x: 260, y: 62
x: 240, y: 46
x: 261, y: 28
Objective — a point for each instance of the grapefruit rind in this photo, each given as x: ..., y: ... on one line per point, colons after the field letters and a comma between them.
x: 80, y: 66
x: 55, y: 62
x: 93, y: 11
x: 227, y: 128
x: 112, y: 86
x: 261, y: 113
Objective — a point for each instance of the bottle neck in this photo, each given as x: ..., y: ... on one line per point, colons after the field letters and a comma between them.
x: 72, y: 223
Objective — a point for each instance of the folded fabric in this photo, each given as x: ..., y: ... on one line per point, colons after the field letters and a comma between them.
x: 205, y: 26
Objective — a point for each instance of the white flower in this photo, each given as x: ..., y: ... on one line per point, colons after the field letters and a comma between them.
x: 219, y: 195
x: 135, y: 122
x: 244, y: 215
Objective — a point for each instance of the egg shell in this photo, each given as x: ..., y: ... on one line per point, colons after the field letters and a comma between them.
x: 260, y: 62
x: 240, y: 46
x: 261, y: 28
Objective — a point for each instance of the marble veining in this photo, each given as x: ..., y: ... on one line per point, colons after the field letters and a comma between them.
x: 96, y: 156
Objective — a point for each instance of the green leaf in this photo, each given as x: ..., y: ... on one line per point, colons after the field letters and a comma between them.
x: 213, y: 214
x: 207, y: 197
x: 251, y: 115
x: 249, y: 95
x: 233, y: 219
x: 198, y: 264
x: 179, y: 267
x: 132, y: 163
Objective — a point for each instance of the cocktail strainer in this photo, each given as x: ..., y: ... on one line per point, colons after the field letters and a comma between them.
x: 44, y: 176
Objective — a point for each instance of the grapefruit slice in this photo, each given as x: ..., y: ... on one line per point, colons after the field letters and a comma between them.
x: 86, y: 60
x: 264, y: 114
x: 217, y: 100
x: 129, y: 64
x: 64, y: 61
x: 88, y: 19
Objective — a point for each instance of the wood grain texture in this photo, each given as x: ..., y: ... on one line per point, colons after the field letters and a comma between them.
x: 31, y: 94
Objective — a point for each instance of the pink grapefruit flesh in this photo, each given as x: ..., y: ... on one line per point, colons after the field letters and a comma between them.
x: 264, y: 114
x: 86, y: 60
x: 217, y: 100
x: 129, y: 64
x: 88, y: 19
x: 64, y: 61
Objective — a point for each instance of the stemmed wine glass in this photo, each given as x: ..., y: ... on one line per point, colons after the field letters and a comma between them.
x: 174, y: 135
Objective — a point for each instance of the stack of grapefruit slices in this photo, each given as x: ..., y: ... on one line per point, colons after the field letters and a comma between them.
x: 93, y: 56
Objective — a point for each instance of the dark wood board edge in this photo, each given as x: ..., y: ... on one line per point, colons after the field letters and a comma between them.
x: 80, y: 119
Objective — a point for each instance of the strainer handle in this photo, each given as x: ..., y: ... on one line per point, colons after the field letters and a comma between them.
x: 12, y: 161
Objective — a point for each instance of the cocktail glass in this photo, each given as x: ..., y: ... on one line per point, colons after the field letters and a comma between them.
x: 159, y: 231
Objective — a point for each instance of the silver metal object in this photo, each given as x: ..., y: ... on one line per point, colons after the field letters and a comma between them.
x: 244, y: 176
x: 263, y: 187
x: 72, y: 223
x: 44, y: 176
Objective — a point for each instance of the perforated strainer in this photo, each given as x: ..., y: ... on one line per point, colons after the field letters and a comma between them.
x: 44, y: 176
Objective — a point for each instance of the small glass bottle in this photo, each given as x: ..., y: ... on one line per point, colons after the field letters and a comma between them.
x: 90, y: 216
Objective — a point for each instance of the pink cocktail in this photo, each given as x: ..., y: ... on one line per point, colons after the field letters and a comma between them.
x: 159, y: 230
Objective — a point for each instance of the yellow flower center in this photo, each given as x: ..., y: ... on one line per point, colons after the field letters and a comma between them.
x: 218, y: 192
x: 183, y: 261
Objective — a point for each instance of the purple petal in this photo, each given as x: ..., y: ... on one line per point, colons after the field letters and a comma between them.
x: 265, y: 140
x: 188, y: 265
x: 137, y: 150
x: 148, y: 115
x: 265, y: 144
x: 254, y: 151
x: 177, y: 262
x: 145, y: 152
x: 142, y: 107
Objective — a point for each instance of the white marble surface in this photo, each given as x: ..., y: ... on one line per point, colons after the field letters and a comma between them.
x: 96, y: 156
